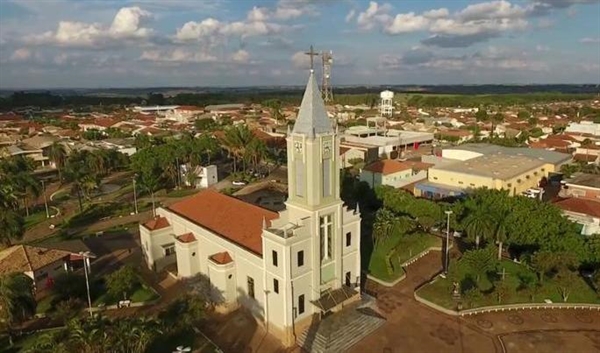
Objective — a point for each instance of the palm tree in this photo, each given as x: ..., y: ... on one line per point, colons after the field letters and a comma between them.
x: 17, y: 300
x: 58, y: 155
x: 478, y: 224
x: 236, y: 140
x: 12, y: 226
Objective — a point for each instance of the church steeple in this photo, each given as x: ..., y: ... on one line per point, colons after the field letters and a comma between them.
x: 312, y: 118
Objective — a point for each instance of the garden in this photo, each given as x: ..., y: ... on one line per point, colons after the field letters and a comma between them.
x: 516, y: 250
x: 399, y: 231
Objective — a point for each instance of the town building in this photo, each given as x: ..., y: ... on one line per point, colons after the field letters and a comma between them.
x: 40, y: 264
x: 477, y: 165
x: 394, y: 173
x: 284, y: 267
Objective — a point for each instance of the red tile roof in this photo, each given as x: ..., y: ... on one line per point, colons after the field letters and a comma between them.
x: 222, y: 258
x: 187, y: 238
x: 584, y: 206
x: 231, y: 218
x: 157, y: 223
x: 387, y: 166
x: 580, y: 157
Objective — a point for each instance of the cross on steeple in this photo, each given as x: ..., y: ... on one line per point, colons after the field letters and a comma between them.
x: 312, y: 55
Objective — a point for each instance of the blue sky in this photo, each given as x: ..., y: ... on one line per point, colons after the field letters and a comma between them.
x: 123, y: 43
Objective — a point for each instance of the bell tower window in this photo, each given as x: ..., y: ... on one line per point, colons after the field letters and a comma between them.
x: 326, y: 237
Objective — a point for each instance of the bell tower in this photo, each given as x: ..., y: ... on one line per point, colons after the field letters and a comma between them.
x: 313, y: 160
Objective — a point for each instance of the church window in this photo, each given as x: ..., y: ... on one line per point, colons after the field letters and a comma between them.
x: 326, y: 177
x: 300, y: 258
x: 250, y: 284
x: 326, y: 237
x: 348, y: 239
x: 275, y: 285
x: 299, y: 167
x: 274, y: 255
x: 301, y: 304
x: 169, y: 249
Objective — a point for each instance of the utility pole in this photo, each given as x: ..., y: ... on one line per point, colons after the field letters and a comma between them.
x: 135, y: 195
x: 86, y: 255
x: 447, y: 252
x: 45, y: 199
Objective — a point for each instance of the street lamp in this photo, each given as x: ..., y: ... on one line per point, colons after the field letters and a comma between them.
x: 135, y: 195
x: 86, y: 255
x: 45, y: 200
x: 446, y: 258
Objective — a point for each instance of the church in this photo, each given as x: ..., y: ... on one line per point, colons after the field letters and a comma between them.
x: 285, y: 267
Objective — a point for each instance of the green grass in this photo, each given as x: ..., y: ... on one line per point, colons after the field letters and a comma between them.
x: 35, y: 218
x: 141, y: 294
x: 182, y: 192
x: 45, y: 304
x: 409, y: 245
x: 439, y: 291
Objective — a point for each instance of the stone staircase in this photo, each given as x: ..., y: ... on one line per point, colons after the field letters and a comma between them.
x: 340, y: 331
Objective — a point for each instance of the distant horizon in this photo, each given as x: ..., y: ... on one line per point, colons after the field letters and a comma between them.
x: 95, y: 44
x: 298, y: 86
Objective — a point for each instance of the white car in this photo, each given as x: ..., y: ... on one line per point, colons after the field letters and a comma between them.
x: 238, y: 183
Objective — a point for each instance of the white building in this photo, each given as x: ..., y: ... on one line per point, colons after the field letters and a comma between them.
x: 584, y: 127
x: 286, y: 266
x: 203, y: 176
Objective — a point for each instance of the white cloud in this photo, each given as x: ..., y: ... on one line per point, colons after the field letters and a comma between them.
x: 374, y: 15
x: 240, y: 56
x: 491, y: 10
x: 178, y: 55
x: 350, y: 15
x: 300, y: 60
x: 542, y: 48
x: 20, y: 54
x: 210, y: 28
x: 437, y: 13
x: 126, y: 25
x: 259, y: 14
x: 590, y: 40
x: 474, y: 23
x: 405, y: 23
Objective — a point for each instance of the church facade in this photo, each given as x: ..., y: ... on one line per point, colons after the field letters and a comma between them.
x: 284, y: 267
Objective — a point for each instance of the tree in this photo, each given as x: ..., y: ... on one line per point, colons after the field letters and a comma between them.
x: 122, y: 282
x: 501, y: 290
x: 472, y: 296
x: 480, y: 262
x: 184, y: 312
x: 204, y: 124
x: 66, y: 310
x: 478, y: 224
x: 69, y: 285
x: 523, y: 115
x: 17, y: 300
x: 596, y: 281
x: 12, y: 226
x: 543, y: 262
x: 565, y: 281
x: 58, y: 155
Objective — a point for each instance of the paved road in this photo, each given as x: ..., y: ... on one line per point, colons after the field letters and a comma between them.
x: 414, y: 327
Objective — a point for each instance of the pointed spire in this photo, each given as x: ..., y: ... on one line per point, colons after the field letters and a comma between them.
x: 264, y: 225
x: 289, y: 130
x: 357, y: 210
x: 312, y: 118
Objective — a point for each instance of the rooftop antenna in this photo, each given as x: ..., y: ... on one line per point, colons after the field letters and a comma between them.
x: 326, y: 89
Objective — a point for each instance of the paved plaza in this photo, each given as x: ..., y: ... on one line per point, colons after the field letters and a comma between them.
x: 413, y: 327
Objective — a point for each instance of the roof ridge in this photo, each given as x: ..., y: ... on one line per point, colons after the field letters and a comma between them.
x: 26, y: 256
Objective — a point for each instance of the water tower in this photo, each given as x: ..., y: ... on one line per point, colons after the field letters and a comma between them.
x: 387, y: 103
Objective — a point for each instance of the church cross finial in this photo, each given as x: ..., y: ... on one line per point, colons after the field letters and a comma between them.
x: 312, y: 55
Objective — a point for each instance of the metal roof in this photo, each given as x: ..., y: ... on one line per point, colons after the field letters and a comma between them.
x: 536, y: 153
x: 312, y: 118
